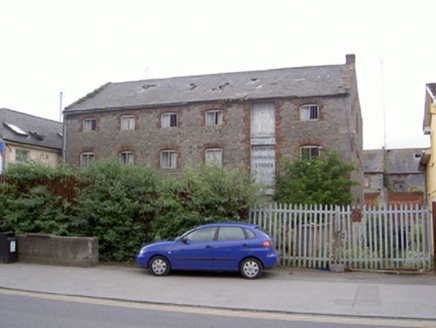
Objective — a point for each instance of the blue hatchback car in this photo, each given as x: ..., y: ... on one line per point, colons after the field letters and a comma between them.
x: 246, y: 248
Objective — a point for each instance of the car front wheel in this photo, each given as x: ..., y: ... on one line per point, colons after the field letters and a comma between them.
x: 159, y: 266
x: 251, y: 268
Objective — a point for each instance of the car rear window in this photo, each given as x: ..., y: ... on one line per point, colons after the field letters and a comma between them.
x: 250, y: 234
x: 264, y: 232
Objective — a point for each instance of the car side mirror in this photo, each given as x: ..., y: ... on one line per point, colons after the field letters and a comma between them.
x: 184, y: 240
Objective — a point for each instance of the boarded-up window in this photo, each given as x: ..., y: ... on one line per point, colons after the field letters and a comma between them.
x: 214, y: 156
x: 263, y: 123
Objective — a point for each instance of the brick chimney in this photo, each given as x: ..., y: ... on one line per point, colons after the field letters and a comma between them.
x: 350, y: 59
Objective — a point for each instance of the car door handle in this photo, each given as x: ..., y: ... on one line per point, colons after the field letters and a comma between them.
x: 208, y: 246
x: 244, y: 245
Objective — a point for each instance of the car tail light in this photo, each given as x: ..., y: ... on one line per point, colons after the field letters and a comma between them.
x: 268, y: 243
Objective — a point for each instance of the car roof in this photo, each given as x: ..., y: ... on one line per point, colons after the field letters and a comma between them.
x: 236, y: 224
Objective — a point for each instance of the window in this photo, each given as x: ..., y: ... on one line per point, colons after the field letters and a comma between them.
x: 214, y: 117
x: 21, y: 155
x: 367, y: 182
x: 168, y: 159
x: 16, y: 129
x: 250, y: 234
x: 205, y: 234
x: 231, y: 233
x: 126, y: 157
x: 310, y: 151
x: 169, y: 120
x: 309, y: 113
x: 214, y: 156
x: 127, y: 122
x: 399, y: 186
x: 85, y: 158
x: 89, y: 124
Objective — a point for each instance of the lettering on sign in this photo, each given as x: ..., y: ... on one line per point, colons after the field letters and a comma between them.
x: 12, y: 246
x: 263, y: 163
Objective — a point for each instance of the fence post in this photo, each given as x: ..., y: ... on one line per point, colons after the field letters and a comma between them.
x: 433, y: 214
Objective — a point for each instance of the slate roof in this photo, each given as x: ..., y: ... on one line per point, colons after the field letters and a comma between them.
x: 30, y: 130
x: 429, y: 100
x: 396, y: 161
x: 403, y: 161
x: 373, y: 161
x: 432, y: 88
x: 268, y: 84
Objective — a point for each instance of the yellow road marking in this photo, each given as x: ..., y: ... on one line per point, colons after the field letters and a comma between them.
x: 228, y: 312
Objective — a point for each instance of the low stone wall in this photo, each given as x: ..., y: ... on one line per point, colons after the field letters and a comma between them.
x: 51, y: 249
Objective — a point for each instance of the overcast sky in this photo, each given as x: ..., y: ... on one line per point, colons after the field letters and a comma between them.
x: 53, y: 46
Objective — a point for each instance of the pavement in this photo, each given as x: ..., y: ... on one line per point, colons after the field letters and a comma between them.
x: 282, y: 289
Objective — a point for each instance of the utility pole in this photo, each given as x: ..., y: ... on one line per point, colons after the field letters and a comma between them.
x: 384, y: 104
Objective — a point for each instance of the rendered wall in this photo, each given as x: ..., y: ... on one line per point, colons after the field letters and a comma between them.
x: 50, y: 157
x: 51, y: 249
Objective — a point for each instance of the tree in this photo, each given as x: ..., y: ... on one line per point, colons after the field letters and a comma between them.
x: 315, y: 180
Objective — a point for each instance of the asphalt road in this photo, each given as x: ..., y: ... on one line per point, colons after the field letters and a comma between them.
x: 26, y: 309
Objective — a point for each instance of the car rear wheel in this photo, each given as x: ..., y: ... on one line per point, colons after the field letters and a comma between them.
x: 251, y: 268
x: 159, y: 266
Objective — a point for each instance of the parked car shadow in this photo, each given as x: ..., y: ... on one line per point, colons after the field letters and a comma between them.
x: 206, y: 274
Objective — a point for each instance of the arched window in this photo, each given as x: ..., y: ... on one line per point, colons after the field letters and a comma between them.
x: 127, y: 122
x: 85, y: 158
x: 169, y: 120
x: 310, y: 151
x: 168, y: 159
x: 214, y: 117
x: 126, y: 157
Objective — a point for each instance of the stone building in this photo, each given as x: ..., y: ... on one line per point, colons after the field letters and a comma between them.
x: 26, y: 137
x: 394, y: 176
x: 250, y: 118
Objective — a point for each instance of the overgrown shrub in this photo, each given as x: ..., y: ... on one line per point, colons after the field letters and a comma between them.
x: 27, y: 206
x: 116, y: 207
x: 123, y: 206
x: 206, y: 194
x: 315, y: 181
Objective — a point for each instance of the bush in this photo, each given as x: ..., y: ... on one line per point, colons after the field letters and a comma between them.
x: 28, y: 206
x: 116, y: 207
x: 315, y: 181
x: 206, y: 194
x: 123, y: 206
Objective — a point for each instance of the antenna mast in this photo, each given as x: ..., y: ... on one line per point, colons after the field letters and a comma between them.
x: 384, y: 104
x: 60, y: 106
